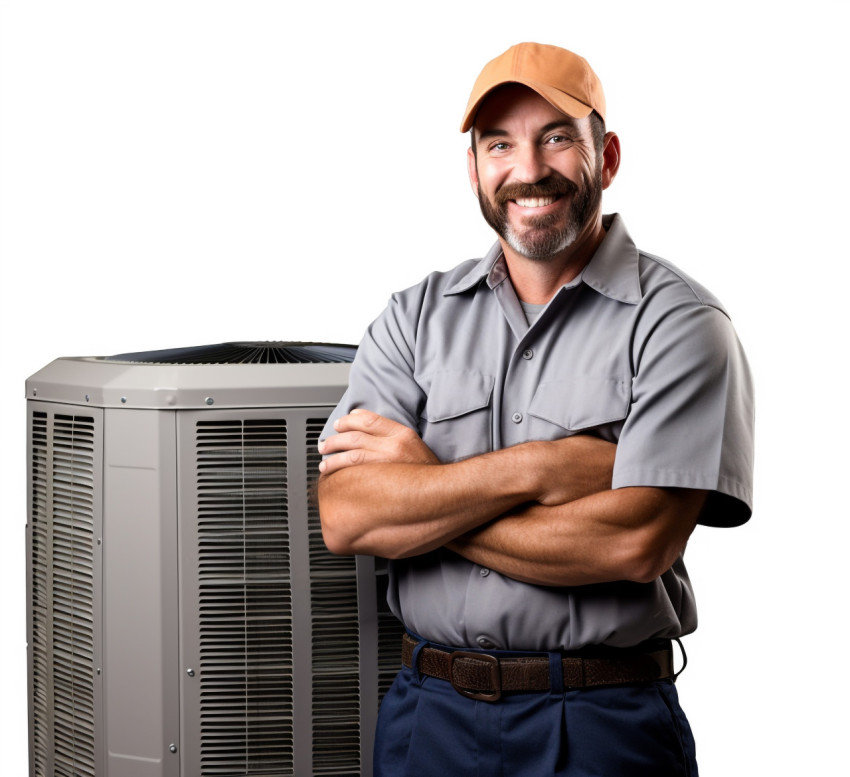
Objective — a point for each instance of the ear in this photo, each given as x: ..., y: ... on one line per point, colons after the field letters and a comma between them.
x: 472, y: 169
x: 610, y: 158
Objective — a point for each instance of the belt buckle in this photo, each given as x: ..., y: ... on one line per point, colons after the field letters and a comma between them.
x: 495, y: 676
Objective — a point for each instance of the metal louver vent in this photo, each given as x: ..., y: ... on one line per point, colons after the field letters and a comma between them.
x: 245, y: 598
x: 334, y: 634
x: 40, y: 595
x: 276, y: 352
x: 62, y: 561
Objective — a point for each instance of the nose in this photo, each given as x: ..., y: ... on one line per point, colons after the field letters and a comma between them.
x: 529, y: 164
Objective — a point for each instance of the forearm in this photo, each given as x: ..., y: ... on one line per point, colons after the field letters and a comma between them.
x: 627, y: 534
x: 383, y: 491
x: 397, y: 510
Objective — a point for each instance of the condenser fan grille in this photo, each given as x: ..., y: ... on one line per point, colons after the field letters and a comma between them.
x: 275, y: 352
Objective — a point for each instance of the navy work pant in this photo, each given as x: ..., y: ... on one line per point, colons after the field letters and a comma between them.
x: 426, y: 728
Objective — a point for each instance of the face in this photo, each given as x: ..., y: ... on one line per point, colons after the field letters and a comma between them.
x: 536, y: 172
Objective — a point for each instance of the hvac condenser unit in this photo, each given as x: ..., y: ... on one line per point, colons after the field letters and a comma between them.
x: 184, y: 616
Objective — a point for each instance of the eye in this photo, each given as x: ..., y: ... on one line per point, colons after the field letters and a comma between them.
x: 500, y: 146
x: 556, y: 139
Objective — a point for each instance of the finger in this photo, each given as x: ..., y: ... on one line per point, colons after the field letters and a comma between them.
x: 341, y: 460
x: 346, y: 441
x: 362, y: 420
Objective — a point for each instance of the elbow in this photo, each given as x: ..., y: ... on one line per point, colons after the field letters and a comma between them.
x: 646, y: 572
x: 335, y: 522
x: 340, y: 540
x: 337, y: 539
x: 334, y: 541
x: 653, y: 546
x: 645, y: 564
x: 338, y: 520
x: 350, y: 526
x: 344, y: 524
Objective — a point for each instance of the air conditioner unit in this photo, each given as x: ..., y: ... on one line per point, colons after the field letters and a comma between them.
x: 184, y: 616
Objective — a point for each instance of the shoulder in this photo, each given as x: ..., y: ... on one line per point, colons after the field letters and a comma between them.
x: 679, y: 315
x: 663, y: 281
x: 429, y: 299
x: 467, y: 274
x: 438, y: 291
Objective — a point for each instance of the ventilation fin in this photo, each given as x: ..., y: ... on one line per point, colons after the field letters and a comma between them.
x: 270, y: 352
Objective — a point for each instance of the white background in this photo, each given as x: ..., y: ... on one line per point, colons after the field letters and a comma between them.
x: 181, y: 173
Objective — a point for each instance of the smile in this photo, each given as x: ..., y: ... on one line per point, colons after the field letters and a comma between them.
x: 535, y: 202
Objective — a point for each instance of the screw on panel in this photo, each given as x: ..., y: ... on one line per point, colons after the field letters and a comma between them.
x: 35, y: 392
x: 87, y: 398
x: 123, y: 400
x: 190, y: 672
x: 209, y: 401
x: 172, y: 748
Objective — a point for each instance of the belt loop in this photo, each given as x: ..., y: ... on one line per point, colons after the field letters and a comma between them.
x: 556, y: 674
x: 684, y: 659
x: 414, y: 661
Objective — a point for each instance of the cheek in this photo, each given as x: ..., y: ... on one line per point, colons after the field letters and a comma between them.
x: 491, y: 176
x: 588, y: 165
x: 578, y: 164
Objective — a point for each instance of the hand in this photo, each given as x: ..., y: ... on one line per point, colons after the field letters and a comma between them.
x: 364, y: 437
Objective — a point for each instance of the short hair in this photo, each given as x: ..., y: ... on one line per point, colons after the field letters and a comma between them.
x: 597, y: 131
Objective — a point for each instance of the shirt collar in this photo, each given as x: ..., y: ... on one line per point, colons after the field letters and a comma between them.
x: 612, y: 271
x: 492, y: 266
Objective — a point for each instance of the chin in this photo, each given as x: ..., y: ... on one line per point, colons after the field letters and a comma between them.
x: 542, y: 248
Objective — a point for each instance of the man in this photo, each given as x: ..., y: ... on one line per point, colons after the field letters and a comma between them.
x: 532, y: 438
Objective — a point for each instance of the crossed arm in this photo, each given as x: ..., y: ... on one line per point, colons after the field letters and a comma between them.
x: 541, y: 512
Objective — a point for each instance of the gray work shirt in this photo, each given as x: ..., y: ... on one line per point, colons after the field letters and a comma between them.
x: 633, y: 351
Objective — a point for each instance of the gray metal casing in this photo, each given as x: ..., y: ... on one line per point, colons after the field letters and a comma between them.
x: 136, y: 598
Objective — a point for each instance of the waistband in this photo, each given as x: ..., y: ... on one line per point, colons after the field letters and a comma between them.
x: 485, y: 676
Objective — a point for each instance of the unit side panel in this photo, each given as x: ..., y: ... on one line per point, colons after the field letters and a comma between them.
x: 140, y: 667
x: 64, y: 624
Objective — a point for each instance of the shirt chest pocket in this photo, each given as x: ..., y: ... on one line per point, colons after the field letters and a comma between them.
x: 457, y: 420
x: 580, y: 404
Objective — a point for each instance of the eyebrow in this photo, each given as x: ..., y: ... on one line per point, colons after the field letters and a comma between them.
x: 565, y: 123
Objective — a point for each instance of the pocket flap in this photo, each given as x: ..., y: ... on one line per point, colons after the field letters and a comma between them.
x: 454, y: 393
x: 582, y: 402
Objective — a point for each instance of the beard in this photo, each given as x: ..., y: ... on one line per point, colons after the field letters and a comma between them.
x: 542, y: 237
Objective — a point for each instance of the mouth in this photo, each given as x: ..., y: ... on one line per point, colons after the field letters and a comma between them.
x: 536, y: 202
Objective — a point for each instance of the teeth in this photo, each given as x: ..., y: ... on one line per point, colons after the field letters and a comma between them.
x: 535, y: 202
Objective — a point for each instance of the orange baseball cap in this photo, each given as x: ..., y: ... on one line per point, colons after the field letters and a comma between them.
x: 560, y: 77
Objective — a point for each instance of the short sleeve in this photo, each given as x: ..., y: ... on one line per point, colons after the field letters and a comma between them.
x: 691, y: 418
x: 381, y: 377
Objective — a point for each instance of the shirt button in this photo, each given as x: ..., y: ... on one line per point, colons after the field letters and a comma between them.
x: 485, y: 643
x: 527, y: 353
x: 516, y: 417
x: 484, y: 572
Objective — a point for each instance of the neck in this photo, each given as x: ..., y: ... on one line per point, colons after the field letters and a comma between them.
x: 537, y: 280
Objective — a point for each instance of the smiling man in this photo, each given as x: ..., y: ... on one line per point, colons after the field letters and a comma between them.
x: 531, y: 438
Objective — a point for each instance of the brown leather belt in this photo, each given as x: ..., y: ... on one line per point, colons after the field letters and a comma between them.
x: 485, y: 677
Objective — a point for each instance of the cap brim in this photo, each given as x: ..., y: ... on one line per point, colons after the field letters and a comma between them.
x: 555, y: 97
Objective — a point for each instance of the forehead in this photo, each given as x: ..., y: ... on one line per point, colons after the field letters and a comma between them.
x: 515, y: 107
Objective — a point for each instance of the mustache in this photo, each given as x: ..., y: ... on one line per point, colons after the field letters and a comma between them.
x: 554, y: 185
